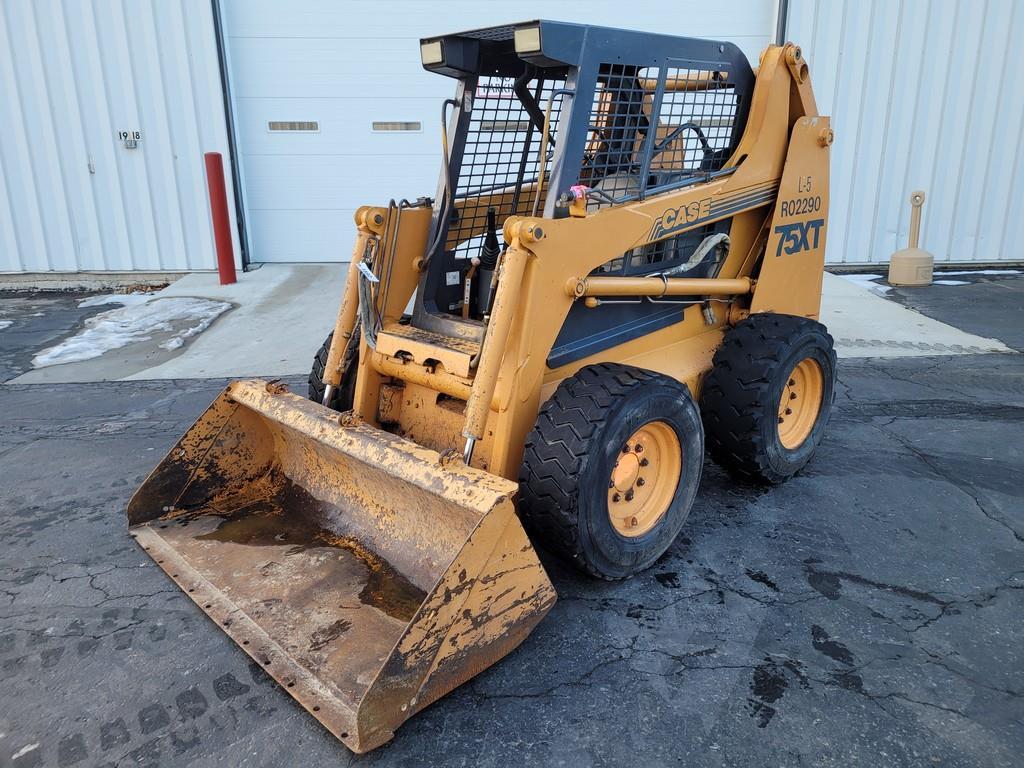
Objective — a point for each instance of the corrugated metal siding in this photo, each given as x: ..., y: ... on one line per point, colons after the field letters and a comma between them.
x: 923, y: 94
x: 72, y: 74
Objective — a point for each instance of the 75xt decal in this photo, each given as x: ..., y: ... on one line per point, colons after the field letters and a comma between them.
x: 799, y: 236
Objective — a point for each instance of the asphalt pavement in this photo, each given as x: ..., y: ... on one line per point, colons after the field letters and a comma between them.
x: 867, y: 613
x: 988, y: 302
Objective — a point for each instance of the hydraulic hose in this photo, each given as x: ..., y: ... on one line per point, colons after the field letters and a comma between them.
x: 447, y: 203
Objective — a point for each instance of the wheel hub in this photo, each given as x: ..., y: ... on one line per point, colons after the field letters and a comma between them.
x: 800, y: 403
x: 644, y: 479
x: 626, y: 472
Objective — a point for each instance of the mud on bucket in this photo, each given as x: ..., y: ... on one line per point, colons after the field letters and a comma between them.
x: 363, y: 575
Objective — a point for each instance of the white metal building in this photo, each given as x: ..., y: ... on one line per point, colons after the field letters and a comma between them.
x: 923, y: 94
x: 76, y: 74
x: 321, y: 106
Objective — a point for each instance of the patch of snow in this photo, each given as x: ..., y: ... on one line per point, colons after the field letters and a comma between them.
x: 868, y: 281
x: 25, y: 750
x: 128, y: 299
x: 136, y: 321
x: 982, y: 272
x: 6, y: 324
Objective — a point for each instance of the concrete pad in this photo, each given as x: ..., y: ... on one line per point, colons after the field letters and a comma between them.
x: 284, y: 311
x: 282, y: 314
x: 864, y: 324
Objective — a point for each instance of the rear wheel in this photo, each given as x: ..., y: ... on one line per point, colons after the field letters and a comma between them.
x: 341, y: 399
x: 611, y: 468
x: 767, y: 399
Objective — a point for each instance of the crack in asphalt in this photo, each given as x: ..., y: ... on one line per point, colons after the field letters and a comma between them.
x: 961, y: 485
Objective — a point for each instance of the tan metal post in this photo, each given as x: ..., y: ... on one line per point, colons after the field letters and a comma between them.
x: 916, y: 203
x: 912, y: 265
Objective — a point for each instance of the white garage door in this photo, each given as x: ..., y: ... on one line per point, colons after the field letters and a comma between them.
x: 334, y: 111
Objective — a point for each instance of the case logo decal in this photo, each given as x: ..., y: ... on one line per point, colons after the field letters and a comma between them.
x: 678, y: 218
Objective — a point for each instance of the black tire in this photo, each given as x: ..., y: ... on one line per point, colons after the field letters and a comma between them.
x: 572, y: 450
x: 341, y: 399
x: 741, y: 395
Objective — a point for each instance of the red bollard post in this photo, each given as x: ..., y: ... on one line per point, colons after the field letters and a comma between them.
x: 221, y: 221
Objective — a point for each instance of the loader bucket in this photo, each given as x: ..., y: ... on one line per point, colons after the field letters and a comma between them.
x: 365, y: 574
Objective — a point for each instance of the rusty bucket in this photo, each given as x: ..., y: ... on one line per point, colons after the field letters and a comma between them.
x: 365, y: 574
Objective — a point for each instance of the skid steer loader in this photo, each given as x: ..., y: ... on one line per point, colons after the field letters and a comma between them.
x: 626, y: 225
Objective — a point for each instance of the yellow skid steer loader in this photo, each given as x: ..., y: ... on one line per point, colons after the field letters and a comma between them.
x: 622, y: 261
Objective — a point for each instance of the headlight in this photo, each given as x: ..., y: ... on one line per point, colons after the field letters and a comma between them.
x: 527, y: 40
x: 431, y: 53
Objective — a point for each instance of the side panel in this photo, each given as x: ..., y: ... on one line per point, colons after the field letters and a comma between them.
x: 791, y: 272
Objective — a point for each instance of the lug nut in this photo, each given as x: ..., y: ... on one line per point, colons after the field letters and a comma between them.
x: 781, y: 419
x: 625, y: 449
x: 629, y: 495
x: 616, y: 497
x: 631, y: 522
x: 639, y: 448
x: 792, y: 382
x: 792, y: 395
x: 611, y: 483
x: 644, y: 462
x: 640, y: 481
x: 789, y: 411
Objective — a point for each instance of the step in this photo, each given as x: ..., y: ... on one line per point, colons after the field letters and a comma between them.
x: 428, y: 348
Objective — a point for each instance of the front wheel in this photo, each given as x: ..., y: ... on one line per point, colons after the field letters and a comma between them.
x: 611, y: 468
x: 767, y: 398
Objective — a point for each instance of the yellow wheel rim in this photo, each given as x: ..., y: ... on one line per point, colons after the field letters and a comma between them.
x: 800, y: 403
x: 644, y: 479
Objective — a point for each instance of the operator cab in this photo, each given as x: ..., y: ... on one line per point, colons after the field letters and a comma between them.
x: 628, y: 115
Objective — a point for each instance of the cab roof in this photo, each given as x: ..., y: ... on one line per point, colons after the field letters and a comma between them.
x: 501, y: 50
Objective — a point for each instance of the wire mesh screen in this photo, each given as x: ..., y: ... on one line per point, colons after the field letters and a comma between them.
x: 696, y: 111
x: 696, y: 119
x: 501, y: 159
x: 618, y: 124
x: 649, y: 127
